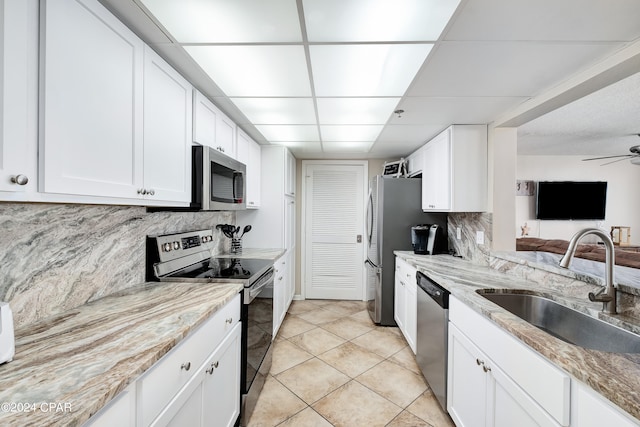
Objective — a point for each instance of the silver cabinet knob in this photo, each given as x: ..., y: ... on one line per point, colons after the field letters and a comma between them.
x: 142, y: 191
x: 186, y: 366
x: 20, y: 179
x: 152, y: 192
x: 229, y: 320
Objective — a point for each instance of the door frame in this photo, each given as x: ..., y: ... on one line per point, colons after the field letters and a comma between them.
x: 303, y: 215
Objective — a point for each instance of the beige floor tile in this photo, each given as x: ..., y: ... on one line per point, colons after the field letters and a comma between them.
x: 298, y: 307
x: 345, y: 308
x: 427, y: 408
x: 347, y: 328
x: 363, y: 316
x: 406, y: 359
x: 399, y: 385
x: 321, y: 302
x: 407, y: 419
x: 355, y: 405
x: 317, y: 341
x: 312, y: 380
x: 382, y: 343
x: 287, y: 355
x: 350, y: 359
x: 306, y: 418
x: 275, y: 404
x: 319, y: 316
x: 294, y: 325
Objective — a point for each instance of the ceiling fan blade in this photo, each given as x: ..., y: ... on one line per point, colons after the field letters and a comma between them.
x: 609, y: 157
x: 616, y: 161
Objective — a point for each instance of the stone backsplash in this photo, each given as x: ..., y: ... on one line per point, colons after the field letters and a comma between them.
x: 55, y: 257
x: 470, y: 223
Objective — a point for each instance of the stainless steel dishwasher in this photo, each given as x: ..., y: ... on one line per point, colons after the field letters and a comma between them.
x: 432, y: 329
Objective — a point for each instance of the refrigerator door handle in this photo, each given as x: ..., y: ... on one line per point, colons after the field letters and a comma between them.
x: 369, y: 218
x: 375, y: 267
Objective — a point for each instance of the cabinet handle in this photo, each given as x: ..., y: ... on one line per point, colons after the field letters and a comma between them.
x: 215, y: 365
x: 229, y: 320
x: 142, y: 191
x: 479, y: 362
x: 186, y: 366
x: 152, y: 192
x: 280, y: 278
x: 486, y: 368
x: 20, y: 179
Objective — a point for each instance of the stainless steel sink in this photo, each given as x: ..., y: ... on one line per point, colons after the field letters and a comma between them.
x: 565, y: 323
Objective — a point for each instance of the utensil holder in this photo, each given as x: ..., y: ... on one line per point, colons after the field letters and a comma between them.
x: 236, y: 246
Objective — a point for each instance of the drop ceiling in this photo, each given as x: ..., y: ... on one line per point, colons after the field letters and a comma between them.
x: 324, y: 77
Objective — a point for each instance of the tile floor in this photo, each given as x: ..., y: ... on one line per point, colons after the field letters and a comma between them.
x: 333, y: 367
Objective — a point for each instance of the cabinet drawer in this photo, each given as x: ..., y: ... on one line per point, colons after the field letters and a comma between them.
x: 545, y: 383
x: 405, y: 272
x: 160, y: 383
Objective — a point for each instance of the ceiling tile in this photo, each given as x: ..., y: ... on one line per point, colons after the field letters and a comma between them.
x: 566, y: 20
x: 376, y: 20
x: 223, y: 21
x: 503, y: 68
x: 255, y: 71
x: 277, y: 111
x: 358, y: 133
x: 371, y: 111
x: 411, y: 135
x: 365, y: 70
x: 461, y: 110
x: 289, y: 133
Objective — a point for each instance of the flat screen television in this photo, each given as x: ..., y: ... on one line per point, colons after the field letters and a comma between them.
x: 576, y: 200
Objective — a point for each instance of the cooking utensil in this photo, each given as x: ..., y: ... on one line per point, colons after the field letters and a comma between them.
x: 246, y: 229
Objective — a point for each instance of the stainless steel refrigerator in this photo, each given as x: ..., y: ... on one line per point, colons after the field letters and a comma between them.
x: 394, y: 206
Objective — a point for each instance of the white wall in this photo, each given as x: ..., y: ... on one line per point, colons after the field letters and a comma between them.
x: 623, y: 197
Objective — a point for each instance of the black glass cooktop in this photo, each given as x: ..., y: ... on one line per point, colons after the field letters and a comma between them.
x: 224, y: 268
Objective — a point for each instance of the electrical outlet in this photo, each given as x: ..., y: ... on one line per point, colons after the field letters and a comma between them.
x: 458, y: 233
x: 480, y: 237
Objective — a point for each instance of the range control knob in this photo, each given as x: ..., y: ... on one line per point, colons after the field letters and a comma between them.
x: 166, y: 247
x: 176, y: 245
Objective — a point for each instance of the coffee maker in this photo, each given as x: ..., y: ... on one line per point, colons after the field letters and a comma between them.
x: 428, y: 239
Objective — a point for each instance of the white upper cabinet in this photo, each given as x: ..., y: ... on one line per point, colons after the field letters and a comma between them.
x: 290, y: 174
x: 91, y: 105
x: 204, y: 120
x: 415, y: 162
x: 19, y: 88
x: 167, y: 131
x: 211, y: 127
x: 248, y: 152
x: 454, y: 172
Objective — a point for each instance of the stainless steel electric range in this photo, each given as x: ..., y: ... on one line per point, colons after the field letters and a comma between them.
x: 187, y: 257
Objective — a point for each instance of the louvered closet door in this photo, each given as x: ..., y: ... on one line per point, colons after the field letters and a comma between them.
x: 334, y: 214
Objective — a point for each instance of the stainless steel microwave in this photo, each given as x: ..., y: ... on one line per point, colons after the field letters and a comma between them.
x: 218, y: 181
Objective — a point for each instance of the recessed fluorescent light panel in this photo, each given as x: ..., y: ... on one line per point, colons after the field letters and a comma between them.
x: 225, y: 21
x: 360, y: 133
x: 289, y: 133
x: 370, y: 111
x: 255, y: 71
x: 277, y: 111
x: 349, y: 147
x: 366, y: 70
x: 376, y: 20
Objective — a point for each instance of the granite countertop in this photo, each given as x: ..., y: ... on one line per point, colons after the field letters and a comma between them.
x: 80, y: 359
x: 614, y: 376
x: 257, y: 253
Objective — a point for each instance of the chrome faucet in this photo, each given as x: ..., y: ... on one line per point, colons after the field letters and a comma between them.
x: 607, y: 295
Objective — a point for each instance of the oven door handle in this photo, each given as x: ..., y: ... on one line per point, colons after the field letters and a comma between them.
x: 255, y: 290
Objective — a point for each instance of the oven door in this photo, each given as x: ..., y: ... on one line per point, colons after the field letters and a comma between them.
x: 257, y: 327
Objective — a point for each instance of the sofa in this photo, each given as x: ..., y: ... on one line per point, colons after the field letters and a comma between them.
x: 627, y: 257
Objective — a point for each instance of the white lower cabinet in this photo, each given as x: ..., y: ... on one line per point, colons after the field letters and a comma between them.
x: 213, y: 395
x: 495, y: 380
x: 283, y: 289
x: 589, y: 409
x: 197, y: 383
x: 406, y: 301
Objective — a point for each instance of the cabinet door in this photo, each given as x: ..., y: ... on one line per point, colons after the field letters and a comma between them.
x: 399, y: 311
x: 279, y: 285
x: 289, y: 223
x: 411, y: 310
x: 290, y: 174
x: 248, y: 152
x: 466, y: 382
x: 436, y: 173
x: 221, y: 387
x: 190, y: 413
x: 19, y: 88
x: 592, y: 410
x: 204, y: 120
x: 167, y: 131
x: 415, y: 162
x: 119, y: 412
x: 91, y: 102
x: 225, y: 135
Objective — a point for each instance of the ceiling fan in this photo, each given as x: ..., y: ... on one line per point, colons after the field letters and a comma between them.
x: 634, y: 156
